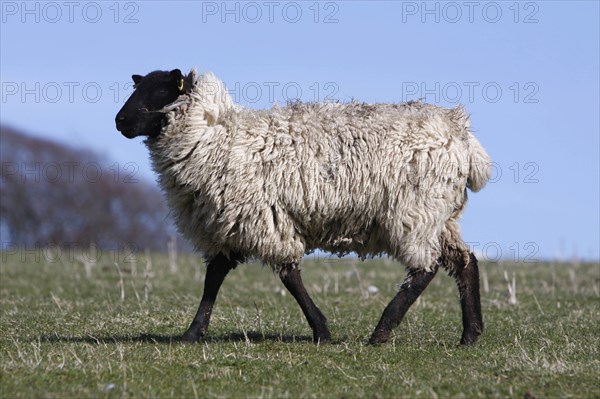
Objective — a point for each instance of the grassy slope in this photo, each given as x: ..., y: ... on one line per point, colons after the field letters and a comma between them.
x: 64, y: 334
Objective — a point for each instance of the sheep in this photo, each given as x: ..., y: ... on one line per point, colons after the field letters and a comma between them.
x: 340, y: 177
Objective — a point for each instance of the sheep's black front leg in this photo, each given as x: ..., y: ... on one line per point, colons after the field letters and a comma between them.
x: 414, y: 284
x: 290, y: 276
x: 216, y: 270
x: 467, y: 280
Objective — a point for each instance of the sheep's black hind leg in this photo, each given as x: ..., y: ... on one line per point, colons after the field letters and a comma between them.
x: 216, y: 270
x: 290, y: 276
x: 414, y: 284
x: 467, y: 279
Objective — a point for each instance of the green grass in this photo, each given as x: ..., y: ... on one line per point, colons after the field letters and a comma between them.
x: 67, y: 333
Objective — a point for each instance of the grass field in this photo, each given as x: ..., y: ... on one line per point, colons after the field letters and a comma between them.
x: 74, y: 331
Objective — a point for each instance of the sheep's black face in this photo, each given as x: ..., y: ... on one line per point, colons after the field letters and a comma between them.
x: 141, y: 116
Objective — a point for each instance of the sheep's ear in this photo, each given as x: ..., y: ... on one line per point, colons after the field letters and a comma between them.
x: 188, y: 82
x: 136, y: 80
x: 176, y: 73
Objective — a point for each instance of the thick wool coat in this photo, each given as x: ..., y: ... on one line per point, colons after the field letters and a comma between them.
x: 342, y: 177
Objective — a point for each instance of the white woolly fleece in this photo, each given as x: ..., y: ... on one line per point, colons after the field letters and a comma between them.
x: 274, y: 184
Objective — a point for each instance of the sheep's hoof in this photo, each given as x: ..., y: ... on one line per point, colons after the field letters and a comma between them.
x: 322, y: 338
x: 465, y: 343
x: 470, y: 334
x: 190, y: 337
x: 379, y: 337
x: 468, y: 339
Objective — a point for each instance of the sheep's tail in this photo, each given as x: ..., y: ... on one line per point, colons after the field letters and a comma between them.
x: 479, y: 165
x: 479, y: 161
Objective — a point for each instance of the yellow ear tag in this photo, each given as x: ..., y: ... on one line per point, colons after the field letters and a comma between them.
x: 180, y: 85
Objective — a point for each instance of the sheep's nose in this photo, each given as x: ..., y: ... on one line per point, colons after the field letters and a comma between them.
x: 120, y: 119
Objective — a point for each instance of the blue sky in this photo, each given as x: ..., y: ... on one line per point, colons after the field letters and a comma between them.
x: 528, y: 73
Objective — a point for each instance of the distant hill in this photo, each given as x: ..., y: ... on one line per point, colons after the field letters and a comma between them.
x: 52, y: 194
